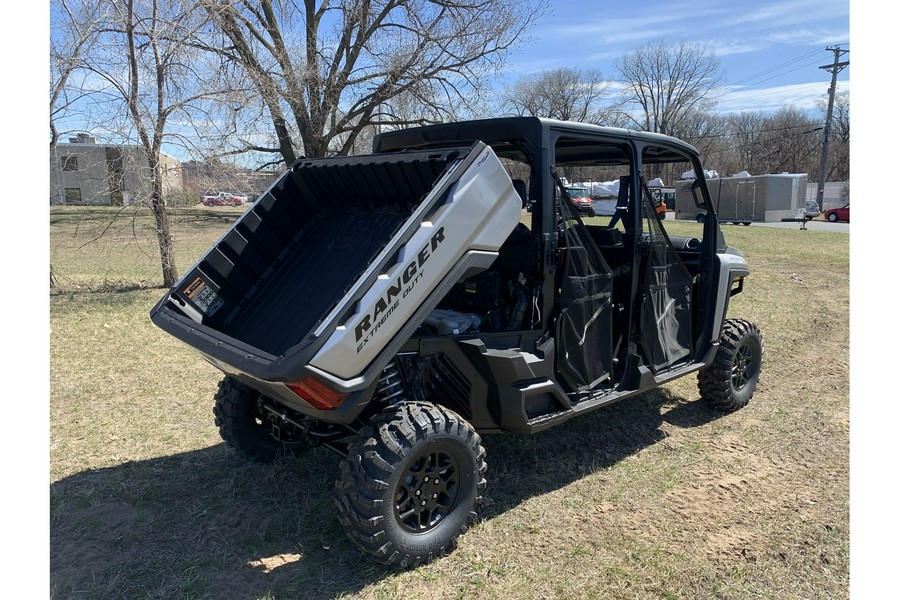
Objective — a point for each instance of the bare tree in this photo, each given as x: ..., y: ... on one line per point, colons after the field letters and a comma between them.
x: 746, y: 139
x: 788, y: 144
x: 667, y: 82
x: 327, y: 71
x: 74, y: 31
x: 214, y: 175
x: 568, y: 94
x: 706, y: 130
x: 146, y: 62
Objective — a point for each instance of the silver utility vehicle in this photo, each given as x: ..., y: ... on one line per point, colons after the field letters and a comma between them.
x: 426, y: 308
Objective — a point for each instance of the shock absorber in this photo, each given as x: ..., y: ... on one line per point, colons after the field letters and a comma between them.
x: 390, y: 388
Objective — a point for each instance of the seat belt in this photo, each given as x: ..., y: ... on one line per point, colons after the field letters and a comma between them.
x: 621, y: 201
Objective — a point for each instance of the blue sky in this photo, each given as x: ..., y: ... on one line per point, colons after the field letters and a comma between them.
x: 770, y: 49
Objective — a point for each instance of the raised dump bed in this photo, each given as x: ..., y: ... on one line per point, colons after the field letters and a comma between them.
x: 316, y: 240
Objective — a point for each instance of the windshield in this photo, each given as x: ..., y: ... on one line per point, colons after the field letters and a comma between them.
x: 577, y: 192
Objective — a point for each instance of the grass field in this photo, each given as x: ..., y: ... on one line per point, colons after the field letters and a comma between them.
x: 654, y: 497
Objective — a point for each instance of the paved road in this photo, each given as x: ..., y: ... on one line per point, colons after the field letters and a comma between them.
x: 816, y: 225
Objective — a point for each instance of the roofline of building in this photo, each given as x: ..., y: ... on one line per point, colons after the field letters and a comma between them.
x: 97, y: 145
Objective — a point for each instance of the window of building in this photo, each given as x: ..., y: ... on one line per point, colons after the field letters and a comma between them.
x: 69, y: 163
x: 73, y: 195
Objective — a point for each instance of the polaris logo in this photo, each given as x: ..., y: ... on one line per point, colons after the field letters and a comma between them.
x: 401, y: 287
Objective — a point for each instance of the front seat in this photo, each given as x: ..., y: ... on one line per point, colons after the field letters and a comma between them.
x: 517, y: 252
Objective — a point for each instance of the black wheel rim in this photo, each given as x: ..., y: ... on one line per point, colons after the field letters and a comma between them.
x: 427, y: 492
x: 744, y: 367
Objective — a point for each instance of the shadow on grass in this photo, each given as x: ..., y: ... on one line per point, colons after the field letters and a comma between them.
x: 205, y: 524
x: 114, y: 287
x: 98, y: 216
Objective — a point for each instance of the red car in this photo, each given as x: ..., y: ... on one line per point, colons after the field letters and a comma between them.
x: 223, y: 199
x: 838, y: 214
x: 582, y: 200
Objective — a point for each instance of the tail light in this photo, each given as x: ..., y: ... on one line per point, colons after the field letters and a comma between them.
x: 317, y: 394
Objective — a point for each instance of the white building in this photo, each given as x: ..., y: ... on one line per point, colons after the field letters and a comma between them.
x: 84, y: 172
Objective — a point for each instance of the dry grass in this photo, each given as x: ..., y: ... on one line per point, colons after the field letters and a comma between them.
x: 655, y: 497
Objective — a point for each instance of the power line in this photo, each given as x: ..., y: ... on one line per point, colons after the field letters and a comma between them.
x: 775, y: 68
x: 750, y: 78
x: 781, y: 74
x: 778, y: 92
x: 756, y: 131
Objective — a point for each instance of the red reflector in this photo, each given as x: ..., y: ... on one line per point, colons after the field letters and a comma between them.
x: 317, y: 393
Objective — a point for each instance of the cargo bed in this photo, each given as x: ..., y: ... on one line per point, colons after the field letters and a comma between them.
x: 307, y: 256
x: 321, y: 264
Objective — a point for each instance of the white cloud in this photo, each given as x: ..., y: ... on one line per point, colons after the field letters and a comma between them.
x: 728, y: 47
x: 800, y: 95
x: 807, y: 37
x: 676, y: 21
x: 786, y: 13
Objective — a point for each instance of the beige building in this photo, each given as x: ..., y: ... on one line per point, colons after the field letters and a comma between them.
x: 84, y: 172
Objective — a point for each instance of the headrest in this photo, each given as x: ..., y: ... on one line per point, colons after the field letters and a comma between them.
x: 521, y: 189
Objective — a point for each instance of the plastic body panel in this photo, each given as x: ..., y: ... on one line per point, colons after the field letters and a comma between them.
x: 478, y: 214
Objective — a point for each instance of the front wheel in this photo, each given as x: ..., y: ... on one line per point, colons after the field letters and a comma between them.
x: 833, y: 217
x: 729, y: 383
x: 701, y: 218
x: 411, y: 484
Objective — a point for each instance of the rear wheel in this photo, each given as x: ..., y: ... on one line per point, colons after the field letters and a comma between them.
x: 701, y: 218
x: 246, y: 429
x: 729, y: 383
x: 411, y: 484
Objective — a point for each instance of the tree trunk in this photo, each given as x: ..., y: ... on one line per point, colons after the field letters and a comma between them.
x: 163, y: 234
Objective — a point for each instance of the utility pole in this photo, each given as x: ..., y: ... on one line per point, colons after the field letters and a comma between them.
x: 834, y: 68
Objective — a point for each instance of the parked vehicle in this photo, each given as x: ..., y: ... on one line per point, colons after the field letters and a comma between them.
x: 665, y: 197
x: 812, y: 209
x: 747, y: 199
x: 399, y: 325
x: 838, y: 214
x: 223, y: 199
x: 581, y: 197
